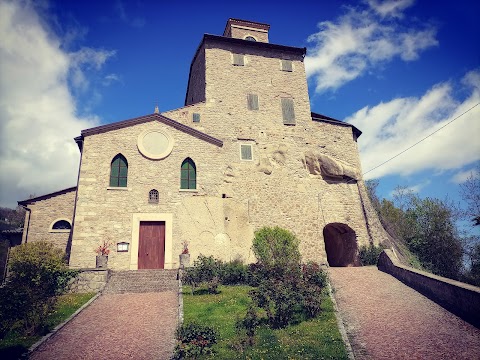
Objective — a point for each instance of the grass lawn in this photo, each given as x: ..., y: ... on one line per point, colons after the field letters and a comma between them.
x: 14, y: 345
x: 314, y: 339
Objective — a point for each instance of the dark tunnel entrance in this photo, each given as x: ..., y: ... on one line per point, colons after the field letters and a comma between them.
x: 340, y: 245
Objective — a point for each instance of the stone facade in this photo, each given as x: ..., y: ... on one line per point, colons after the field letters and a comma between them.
x: 303, y: 176
x: 43, y: 212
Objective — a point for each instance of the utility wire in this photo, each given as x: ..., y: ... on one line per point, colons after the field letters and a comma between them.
x: 418, y: 142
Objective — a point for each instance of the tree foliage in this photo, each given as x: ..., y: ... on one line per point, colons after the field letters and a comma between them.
x: 38, y: 273
x: 287, y: 291
x: 426, y: 226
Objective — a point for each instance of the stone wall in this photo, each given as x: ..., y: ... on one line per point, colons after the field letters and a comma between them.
x: 89, y: 280
x: 104, y: 212
x: 460, y: 298
x: 196, y: 81
x: 44, y: 213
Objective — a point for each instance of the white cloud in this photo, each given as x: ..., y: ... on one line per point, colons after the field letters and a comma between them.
x: 344, y: 49
x: 462, y: 176
x: 135, y: 21
x: 389, y: 128
x: 391, y: 8
x: 38, y: 117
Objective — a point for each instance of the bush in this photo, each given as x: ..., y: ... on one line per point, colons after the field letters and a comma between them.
x: 276, y: 247
x: 369, y: 254
x: 287, y: 291
x: 233, y: 273
x: 38, y: 274
x: 194, y: 340
x: 206, y: 269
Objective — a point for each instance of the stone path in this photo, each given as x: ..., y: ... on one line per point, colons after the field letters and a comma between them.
x: 117, y: 327
x: 386, y: 319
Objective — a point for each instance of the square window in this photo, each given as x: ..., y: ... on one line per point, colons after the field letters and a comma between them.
x: 252, y: 101
x: 287, y: 65
x: 238, y: 60
x: 246, y: 152
x: 196, y: 117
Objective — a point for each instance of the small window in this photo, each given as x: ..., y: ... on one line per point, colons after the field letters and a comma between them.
x: 250, y: 38
x: 118, y: 171
x: 288, y: 111
x: 252, y: 101
x: 153, y: 196
x: 287, y: 65
x: 238, y: 60
x: 196, y: 117
x: 246, y: 152
x: 188, y: 175
x: 61, y: 225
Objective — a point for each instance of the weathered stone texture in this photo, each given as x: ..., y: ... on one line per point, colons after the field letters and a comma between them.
x: 89, y: 280
x: 44, y: 213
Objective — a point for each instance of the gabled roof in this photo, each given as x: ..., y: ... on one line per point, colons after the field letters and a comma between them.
x: 47, y: 196
x: 145, y: 119
x: 324, y: 118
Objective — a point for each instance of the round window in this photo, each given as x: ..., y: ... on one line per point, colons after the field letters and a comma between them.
x: 155, y: 144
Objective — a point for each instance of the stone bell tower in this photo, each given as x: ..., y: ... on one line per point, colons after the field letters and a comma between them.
x: 246, y: 30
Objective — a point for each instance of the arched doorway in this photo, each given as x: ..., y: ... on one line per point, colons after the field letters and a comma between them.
x: 340, y: 245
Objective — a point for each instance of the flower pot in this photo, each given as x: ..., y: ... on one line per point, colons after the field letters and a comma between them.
x: 102, y: 261
x: 184, y: 260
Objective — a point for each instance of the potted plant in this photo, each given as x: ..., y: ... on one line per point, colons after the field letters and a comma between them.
x: 185, y: 256
x: 102, y: 253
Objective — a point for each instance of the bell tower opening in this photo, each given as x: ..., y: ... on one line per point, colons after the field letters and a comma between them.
x: 340, y: 245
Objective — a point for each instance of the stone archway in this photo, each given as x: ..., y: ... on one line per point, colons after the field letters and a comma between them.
x: 340, y: 245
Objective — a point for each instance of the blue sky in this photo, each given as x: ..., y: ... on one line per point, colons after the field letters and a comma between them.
x: 398, y: 70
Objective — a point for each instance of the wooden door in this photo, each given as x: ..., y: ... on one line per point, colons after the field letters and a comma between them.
x: 151, y: 245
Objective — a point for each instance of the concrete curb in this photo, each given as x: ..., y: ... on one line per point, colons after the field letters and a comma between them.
x: 180, y: 299
x: 58, y: 327
x: 341, y: 325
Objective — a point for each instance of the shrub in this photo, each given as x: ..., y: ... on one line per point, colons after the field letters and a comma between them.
x: 369, y: 254
x: 249, y: 325
x: 286, y: 290
x: 194, y: 340
x: 206, y: 269
x: 233, y: 273
x: 38, y: 274
x: 276, y: 247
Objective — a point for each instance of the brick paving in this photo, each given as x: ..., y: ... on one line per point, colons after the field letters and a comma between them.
x: 118, y: 326
x: 386, y: 319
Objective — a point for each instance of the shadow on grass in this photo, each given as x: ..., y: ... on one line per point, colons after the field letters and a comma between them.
x: 13, y: 352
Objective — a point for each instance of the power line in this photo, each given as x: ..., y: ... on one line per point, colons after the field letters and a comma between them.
x: 418, y: 142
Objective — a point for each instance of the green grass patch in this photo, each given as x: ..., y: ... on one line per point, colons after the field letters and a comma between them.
x: 318, y: 338
x: 14, y: 345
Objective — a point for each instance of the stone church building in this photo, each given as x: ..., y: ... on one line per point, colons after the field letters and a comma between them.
x: 244, y: 152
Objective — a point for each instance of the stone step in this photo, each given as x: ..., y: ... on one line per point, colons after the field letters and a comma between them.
x: 140, y: 281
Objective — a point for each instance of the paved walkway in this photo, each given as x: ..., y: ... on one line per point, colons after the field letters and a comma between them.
x: 117, y: 327
x: 386, y: 319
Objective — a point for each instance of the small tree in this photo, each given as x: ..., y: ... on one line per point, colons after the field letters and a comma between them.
x: 286, y: 291
x: 38, y: 274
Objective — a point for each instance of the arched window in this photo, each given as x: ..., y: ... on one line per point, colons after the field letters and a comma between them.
x: 118, y: 171
x: 61, y: 225
x: 153, y: 196
x: 250, y: 38
x: 188, y: 175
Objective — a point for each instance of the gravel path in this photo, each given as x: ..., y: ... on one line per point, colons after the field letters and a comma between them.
x: 116, y: 327
x: 386, y: 319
